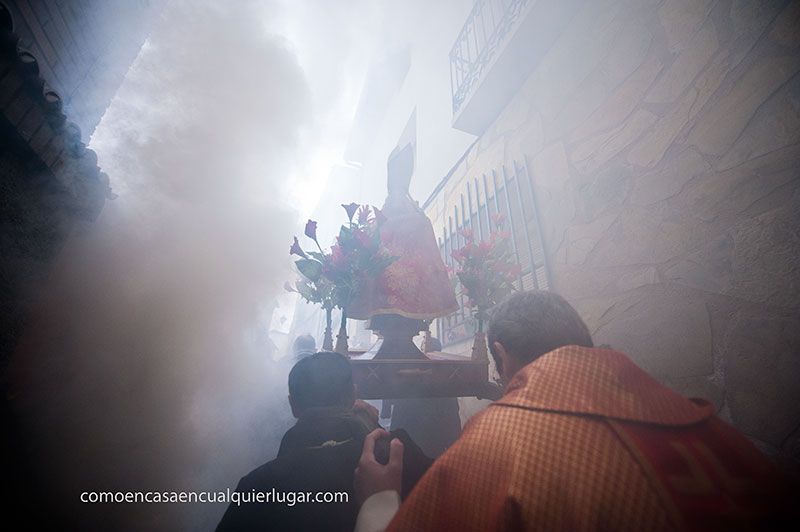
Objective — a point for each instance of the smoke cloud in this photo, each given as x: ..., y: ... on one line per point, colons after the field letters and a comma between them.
x: 140, y: 371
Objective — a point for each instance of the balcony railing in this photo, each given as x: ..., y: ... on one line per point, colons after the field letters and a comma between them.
x: 484, y: 32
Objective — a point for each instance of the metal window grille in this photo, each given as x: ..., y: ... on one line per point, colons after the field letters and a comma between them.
x: 507, y: 190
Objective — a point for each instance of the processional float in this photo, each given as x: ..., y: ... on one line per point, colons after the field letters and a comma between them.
x: 399, y: 299
x: 402, y: 301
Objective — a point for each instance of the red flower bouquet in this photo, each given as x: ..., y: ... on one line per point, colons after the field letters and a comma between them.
x: 485, y: 270
x: 357, y: 254
x: 333, y: 279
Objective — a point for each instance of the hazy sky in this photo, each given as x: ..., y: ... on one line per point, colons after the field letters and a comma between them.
x: 332, y: 44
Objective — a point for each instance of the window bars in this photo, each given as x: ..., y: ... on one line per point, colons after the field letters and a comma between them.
x: 508, y: 191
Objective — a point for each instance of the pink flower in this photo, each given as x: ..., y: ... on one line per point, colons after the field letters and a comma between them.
x: 297, y: 250
x: 466, y: 233
x: 311, y: 230
x: 351, y: 210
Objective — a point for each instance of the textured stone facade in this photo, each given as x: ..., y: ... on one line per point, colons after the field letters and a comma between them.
x: 663, y: 141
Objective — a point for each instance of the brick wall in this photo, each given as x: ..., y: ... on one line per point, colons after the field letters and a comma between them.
x: 84, y: 48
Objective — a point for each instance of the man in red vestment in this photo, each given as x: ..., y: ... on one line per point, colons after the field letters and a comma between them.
x: 583, y: 439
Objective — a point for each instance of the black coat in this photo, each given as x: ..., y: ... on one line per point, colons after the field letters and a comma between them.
x: 433, y: 423
x: 319, y: 454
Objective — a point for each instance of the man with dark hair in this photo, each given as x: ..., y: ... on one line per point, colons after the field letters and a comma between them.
x: 530, y: 324
x: 317, y: 455
x: 583, y: 439
x: 321, y: 380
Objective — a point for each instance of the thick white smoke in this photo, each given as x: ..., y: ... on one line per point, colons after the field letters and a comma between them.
x: 137, y: 373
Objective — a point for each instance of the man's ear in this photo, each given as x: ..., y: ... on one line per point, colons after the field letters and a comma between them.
x: 507, y: 365
x: 296, y: 410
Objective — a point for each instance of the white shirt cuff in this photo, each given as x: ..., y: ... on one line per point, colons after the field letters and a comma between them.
x: 377, y: 511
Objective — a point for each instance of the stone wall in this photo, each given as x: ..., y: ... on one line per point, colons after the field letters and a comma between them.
x: 663, y: 140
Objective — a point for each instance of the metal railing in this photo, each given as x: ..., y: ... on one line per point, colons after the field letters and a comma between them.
x: 483, y: 33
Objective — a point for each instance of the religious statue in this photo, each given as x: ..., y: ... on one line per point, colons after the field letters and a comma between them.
x: 415, y: 288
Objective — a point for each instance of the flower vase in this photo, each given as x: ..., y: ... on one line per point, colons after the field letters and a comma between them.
x: 327, y: 339
x: 341, y: 338
x: 479, y: 349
